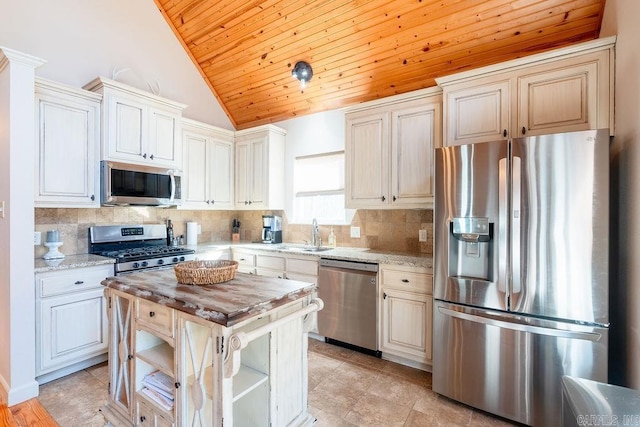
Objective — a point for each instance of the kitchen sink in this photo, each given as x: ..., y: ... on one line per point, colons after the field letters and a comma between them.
x: 304, y: 248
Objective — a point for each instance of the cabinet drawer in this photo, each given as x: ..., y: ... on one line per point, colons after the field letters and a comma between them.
x: 156, y: 317
x: 80, y: 279
x: 273, y: 262
x: 244, y: 259
x: 411, y: 279
x: 304, y: 266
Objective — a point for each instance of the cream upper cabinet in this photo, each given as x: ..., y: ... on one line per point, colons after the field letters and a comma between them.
x: 137, y: 126
x: 208, y: 166
x: 389, y: 152
x: 259, y: 168
x: 565, y: 90
x: 68, y: 133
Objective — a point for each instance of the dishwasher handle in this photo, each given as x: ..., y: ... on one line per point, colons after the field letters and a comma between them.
x: 348, y: 265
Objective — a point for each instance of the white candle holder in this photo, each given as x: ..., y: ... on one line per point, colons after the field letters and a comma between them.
x: 53, y: 253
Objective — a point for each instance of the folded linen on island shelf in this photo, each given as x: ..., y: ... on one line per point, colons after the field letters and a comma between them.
x: 158, y: 398
x: 159, y: 387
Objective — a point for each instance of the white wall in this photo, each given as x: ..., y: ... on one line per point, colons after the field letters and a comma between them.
x: 84, y: 39
x: 621, y: 18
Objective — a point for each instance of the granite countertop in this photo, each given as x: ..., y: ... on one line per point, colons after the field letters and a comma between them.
x: 341, y: 253
x: 226, y: 303
x: 70, y: 261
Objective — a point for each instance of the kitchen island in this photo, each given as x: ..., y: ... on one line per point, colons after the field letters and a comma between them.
x: 234, y: 353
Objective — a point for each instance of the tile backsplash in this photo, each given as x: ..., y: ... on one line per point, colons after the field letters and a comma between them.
x: 391, y: 230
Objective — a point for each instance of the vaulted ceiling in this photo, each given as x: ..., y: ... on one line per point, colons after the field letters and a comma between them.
x: 360, y: 50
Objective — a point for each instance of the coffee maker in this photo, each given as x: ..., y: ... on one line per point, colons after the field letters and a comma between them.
x: 271, y: 229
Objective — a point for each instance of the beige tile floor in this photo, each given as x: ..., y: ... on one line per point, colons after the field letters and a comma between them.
x: 346, y: 388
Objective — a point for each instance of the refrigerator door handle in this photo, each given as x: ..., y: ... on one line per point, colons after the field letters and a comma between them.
x: 502, y: 226
x: 516, y: 182
x: 505, y: 324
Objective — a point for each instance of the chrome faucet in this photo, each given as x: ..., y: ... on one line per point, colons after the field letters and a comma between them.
x: 316, y: 241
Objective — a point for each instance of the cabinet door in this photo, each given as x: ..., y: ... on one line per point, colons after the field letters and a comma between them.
x: 260, y: 177
x: 121, y: 384
x: 164, y: 136
x: 68, y: 134
x: 573, y: 96
x: 73, y: 328
x: 221, y: 174
x: 415, y: 134
x: 196, y: 165
x: 243, y: 174
x: 406, y: 324
x: 477, y: 113
x: 367, y: 158
x: 125, y: 128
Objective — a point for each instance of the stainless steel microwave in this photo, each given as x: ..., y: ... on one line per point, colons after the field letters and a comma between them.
x: 130, y: 184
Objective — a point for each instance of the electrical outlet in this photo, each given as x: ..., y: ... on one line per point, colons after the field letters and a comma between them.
x: 422, y: 235
x: 355, y: 232
x: 37, y: 238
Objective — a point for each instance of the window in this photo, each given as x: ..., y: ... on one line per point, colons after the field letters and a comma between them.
x: 318, y: 187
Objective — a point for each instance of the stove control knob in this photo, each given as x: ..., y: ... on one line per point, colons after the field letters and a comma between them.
x: 135, y: 265
x: 175, y: 259
x: 144, y: 263
x: 160, y: 261
x: 181, y: 258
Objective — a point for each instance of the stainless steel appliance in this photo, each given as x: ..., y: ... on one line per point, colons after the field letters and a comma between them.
x: 349, y: 292
x: 130, y: 184
x: 271, y: 229
x: 136, y: 247
x: 521, y: 271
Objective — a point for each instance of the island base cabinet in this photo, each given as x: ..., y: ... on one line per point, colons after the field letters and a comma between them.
x: 253, y: 373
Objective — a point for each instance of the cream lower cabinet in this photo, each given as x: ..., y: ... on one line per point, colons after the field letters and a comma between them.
x: 71, y: 322
x: 251, y: 374
x: 569, y: 89
x: 389, y: 152
x: 68, y: 133
x: 283, y: 266
x: 406, y: 314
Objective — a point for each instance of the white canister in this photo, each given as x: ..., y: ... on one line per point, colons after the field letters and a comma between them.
x: 192, y: 233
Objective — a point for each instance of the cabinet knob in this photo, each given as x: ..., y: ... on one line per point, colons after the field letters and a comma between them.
x: 207, y: 201
x: 504, y: 133
x: 405, y: 280
x: 93, y: 197
x: 151, y: 157
x: 384, y: 295
x: 144, y: 156
x: 394, y: 198
x: 384, y: 198
x: 79, y: 282
x: 249, y: 201
x: 213, y: 202
x: 177, y: 385
x: 142, y: 418
x: 152, y: 313
x: 246, y: 203
x: 130, y: 357
x: 524, y: 130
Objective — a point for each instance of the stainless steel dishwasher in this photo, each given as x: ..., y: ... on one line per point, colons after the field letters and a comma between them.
x: 349, y: 292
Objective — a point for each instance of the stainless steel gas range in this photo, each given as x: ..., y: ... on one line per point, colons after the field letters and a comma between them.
x: 136, y: 247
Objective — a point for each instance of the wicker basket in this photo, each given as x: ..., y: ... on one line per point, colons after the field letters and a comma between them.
x: 205, y: 272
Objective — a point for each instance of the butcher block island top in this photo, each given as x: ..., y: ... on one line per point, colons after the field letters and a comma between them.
x: 225, y: 303
x: 229, y: 354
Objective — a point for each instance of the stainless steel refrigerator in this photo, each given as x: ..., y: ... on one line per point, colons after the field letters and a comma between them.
x: 521, y: 271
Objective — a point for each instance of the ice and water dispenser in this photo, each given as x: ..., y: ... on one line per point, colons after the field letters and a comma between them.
x: 471, y: 248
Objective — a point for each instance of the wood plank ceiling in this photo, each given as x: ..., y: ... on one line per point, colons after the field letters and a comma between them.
x: 360, y: 50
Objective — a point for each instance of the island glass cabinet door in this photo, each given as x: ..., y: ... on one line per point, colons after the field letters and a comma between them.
x: 120, y: 362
